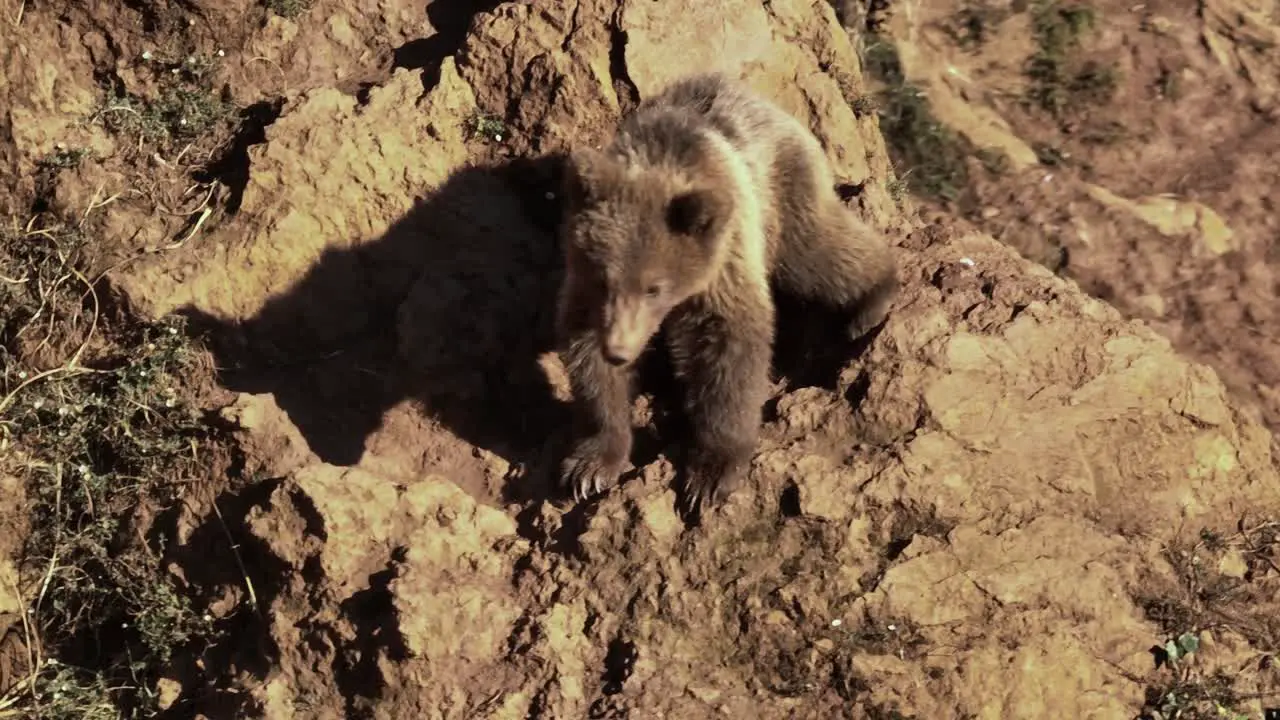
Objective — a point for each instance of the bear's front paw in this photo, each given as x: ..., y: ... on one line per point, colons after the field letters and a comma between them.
x: 714, y: 473
x: 595, y: 464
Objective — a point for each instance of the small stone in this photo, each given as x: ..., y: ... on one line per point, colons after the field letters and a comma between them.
x: 168, y: 691
x: 1233, y: 564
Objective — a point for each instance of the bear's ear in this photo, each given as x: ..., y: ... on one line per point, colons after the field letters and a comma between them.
x: 582, y: 177
x: 700, y: 214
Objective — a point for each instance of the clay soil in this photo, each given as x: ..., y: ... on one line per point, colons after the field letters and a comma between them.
x: 1133, y: 157
x: 280, y: 414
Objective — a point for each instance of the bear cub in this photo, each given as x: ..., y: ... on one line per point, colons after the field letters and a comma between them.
x: 707, y: 193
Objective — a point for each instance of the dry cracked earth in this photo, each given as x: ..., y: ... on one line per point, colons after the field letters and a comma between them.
x: 280, y: 414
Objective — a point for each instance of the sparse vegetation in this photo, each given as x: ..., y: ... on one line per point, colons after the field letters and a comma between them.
x: 931, y: 155
x: 882, y: 63
x: 97, y: 423
x: 63, y: 692
x: 1189, y: 695
x: 288, y: 8
x: 898, y: 637
x: 95, y: 420
x: 482, y: 126
x: 63, y: 158
x: 898, y: 189
x: 1059, y: 78
x: 185, y: 106
x: 178, y: 113
x: 1207, y: 599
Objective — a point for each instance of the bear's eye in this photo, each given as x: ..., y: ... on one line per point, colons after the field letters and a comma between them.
x: 653, y: 291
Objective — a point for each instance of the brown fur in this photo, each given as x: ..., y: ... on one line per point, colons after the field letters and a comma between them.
x: 706, y: 193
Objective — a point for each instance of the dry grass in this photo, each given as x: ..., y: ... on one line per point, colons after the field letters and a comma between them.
x: 1225, y: 584
x: 96, y: 422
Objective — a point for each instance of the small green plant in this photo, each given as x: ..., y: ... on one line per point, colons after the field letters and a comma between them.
x: 899, y: 637
x: 63, y: 158
x: 65, y: 692
x: 185, y: 106
x: 288, y: 8
x: 195, y: 69
x: 179, y: 113
x: 1190, y: 697
x: 1181, y: 646
x: 1058, y: 78
x: 898, y: 189
x: 486, y: 127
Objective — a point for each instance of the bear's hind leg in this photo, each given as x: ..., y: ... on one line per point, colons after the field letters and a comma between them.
x: 831, y: 256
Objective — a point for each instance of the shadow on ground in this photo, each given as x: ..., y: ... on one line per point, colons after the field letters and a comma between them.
x: 449, y: 307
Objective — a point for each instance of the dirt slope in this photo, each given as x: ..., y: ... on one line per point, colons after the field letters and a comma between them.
x: 1145, y: 178
x: 987, y: 511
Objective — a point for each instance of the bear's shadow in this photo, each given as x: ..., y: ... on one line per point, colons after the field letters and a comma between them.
x: 453, y: 306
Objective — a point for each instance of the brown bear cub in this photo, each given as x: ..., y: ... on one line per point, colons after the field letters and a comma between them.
x: 707, y: 193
